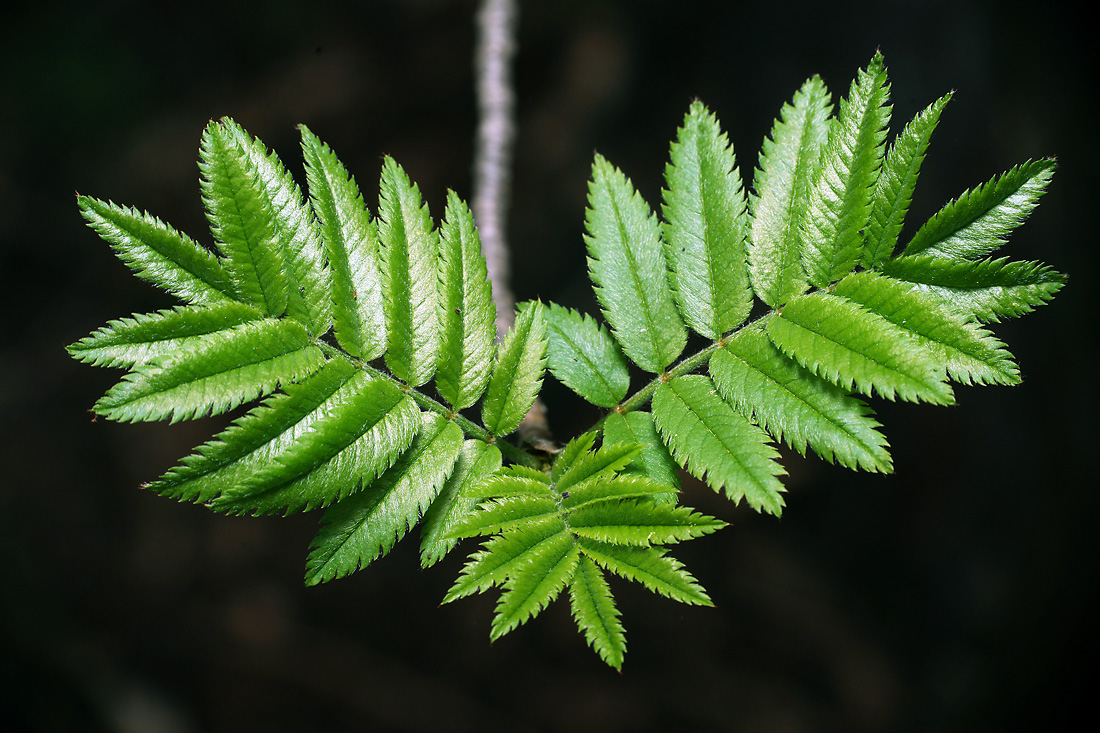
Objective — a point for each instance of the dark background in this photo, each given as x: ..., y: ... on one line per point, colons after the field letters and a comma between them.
x: 957, y: 595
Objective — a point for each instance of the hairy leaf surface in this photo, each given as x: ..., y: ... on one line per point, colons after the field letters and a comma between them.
x: 517, y: 372
x: 242, y: 220
x: 158, y: 253
x: 986, y: 290
x: 850, y: 346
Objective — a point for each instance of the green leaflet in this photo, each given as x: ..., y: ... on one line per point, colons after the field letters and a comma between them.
x: 295, y: 234
x: 837, y: 339
x: 595, y: 612
x: 788, y: 162
x: 242, y: 220
x: 895, y: 185
x: 467, y: 314
x: 368, y: 524
x: 338, y: 404
x: 840, y: 202
x: 549, y: 532
x: 476, y: 463
x: 653, y: 460
x: 583, y: 356
x: 977, y: 222
x: 158, y: 253
x: 969, y: 353
x: 716, y: 443
x: 145, y: 336
x: 985, y: 290
x: 706, y: 226
x: 410, y: 267
x: 517, y: 372
x: 213, y: 373
x: 626, y: 262
x: 351, y: 249
x: 796, y: 406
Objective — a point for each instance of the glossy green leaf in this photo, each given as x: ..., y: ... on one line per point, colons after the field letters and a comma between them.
x: 895, y: 185
x: 242, y: 220
x: 985, y: 290
x: 476, y: 463
x: 410, y: 267
x: 796, y: 406
x: 626, y: 262
x: 146, y: 336
x: 971, y: 355
x: 351, y: 249
x: 213, y: 373
x: 158, y: 253
x: 842, y: 342
x: 716, y: 443
x: 839, y: 205
x: 976, y: 223
x: 650, y: 566
x: 595, y: 612
x: 788, y: 162
x: 584, y: 357
x: 654, y: 460
x: 467, y: 315
x: 706, y: 226
x: 295, y: 234
x: 367, y: 524
x: 517, y: 372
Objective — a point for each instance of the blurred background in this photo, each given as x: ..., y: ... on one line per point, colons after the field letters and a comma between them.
x: 957, y: 595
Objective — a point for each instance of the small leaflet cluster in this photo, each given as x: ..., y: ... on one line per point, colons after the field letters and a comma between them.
x: 367, y: 341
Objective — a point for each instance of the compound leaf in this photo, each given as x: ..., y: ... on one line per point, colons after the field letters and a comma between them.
x: 706, y: 226
x: 651, y: 567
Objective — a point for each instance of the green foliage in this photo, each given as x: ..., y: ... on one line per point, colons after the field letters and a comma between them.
x: 338, y: 320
